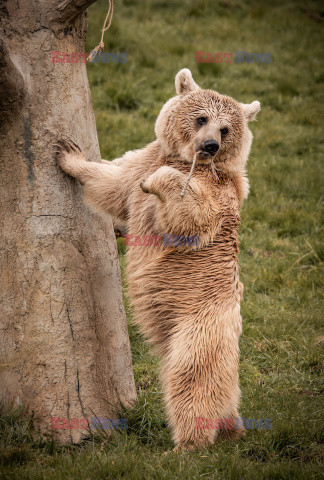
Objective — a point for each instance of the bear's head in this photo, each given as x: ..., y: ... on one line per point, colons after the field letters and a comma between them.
x: 207, y: 124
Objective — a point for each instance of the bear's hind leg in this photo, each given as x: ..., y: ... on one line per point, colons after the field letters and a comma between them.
x: 188, y: 417
x: 199, y: 393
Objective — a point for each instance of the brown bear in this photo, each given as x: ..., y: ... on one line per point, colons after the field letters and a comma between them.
x: 186, y: 295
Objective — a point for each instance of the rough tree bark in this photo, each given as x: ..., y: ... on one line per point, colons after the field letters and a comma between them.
x: 64, y: 347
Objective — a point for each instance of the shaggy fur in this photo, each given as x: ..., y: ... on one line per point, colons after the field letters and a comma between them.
x: 186, y: 298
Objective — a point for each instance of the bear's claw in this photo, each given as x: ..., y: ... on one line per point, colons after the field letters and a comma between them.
x: 69, y: 156
x: 144, y: 187
x: 66, y: 146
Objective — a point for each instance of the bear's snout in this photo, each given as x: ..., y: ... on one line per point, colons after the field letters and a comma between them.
x: 211, y: 147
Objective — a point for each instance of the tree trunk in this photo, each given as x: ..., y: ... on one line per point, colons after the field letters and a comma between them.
x: 64, y: 347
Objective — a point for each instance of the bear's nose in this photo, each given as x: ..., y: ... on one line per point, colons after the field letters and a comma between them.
x: 211, y: 146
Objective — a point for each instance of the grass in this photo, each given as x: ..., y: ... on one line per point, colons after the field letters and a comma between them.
x: 281, y: 257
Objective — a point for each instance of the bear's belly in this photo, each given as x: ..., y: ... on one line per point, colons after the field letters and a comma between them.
x: 189, y: 277
x: 180, y: 287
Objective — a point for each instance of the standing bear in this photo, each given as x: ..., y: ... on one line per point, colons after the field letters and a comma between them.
x: 186, y: 295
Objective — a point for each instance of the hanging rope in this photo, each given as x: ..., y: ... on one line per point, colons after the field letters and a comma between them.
x: 190, y: 175
x: 105, y: 27
x: 213, y: 169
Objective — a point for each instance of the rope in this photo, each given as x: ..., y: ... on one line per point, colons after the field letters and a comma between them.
x: 105, y: 27
x: 190, y: 175
x: 213, y: 169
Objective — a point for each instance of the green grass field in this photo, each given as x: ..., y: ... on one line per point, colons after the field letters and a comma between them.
x: 281, y: 250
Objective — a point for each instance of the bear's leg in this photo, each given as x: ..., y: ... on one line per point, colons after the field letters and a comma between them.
x: 103, y: 183
x: 188, y: 415
x: 201, y: 387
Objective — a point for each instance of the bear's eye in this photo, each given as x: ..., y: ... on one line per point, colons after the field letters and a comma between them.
x: 201, y: 120
x: 224, y: 131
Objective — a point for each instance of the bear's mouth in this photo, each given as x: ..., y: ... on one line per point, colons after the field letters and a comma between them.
x: 204, y: 157
x: 202, y: 154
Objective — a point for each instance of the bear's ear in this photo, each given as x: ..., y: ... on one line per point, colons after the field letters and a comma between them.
x: 184, y: 82
x: 251, y: 110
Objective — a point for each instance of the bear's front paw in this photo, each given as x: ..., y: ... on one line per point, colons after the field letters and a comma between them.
x: 68, y: 154
x: 159, y: 182
x: 149, y: 184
